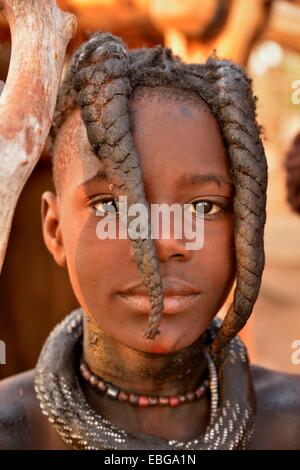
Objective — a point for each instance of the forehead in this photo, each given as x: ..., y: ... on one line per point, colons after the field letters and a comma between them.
x: 178, y: 128
x: 172, y: 134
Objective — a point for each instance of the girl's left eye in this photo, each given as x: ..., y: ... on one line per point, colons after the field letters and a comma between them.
x: 208, y: 207
x: 104, y: 206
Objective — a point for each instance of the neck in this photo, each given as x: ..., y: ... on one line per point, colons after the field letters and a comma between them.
x: 143, y: 373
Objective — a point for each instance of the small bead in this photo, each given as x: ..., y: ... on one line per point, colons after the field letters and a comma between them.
x: 93, y: 380
x: 153, y: 401
x: 163, y: 401
x: 199, y: 392
x: 101, y: 386
x: 133, y: 399
x: 111, y: 391
x: 86, y: 374
x: 143, y: 401
x: 174, y: 401
x: 122, y: 396
x: 190, y: 396
x: 182, y: 398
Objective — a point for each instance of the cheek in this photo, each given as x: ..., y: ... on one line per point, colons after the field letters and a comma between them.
x: 92, y: 263
x: 219, y: 262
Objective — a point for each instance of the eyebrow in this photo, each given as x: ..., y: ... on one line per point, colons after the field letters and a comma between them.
x: 99, y: 176
x: 201, y: 179
x: 184, y: 180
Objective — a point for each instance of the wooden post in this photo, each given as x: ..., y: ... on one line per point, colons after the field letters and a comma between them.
x: 40, y: 32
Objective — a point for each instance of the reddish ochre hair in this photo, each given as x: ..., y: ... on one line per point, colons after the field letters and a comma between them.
x: 292, y: 165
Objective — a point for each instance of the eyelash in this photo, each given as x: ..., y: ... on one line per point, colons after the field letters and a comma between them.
x: 223, y: 208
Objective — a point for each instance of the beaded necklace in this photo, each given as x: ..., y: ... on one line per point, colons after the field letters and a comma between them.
x: 63, y: 402
x: 143, y: 401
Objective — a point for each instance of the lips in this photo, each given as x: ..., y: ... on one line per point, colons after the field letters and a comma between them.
x: 178, y: 296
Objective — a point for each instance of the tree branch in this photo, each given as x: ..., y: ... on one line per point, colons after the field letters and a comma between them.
x: 40, y: 32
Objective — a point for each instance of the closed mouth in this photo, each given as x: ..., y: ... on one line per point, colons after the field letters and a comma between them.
x: 170, y: 287
x: 178, y: 296
x: 172, y: 304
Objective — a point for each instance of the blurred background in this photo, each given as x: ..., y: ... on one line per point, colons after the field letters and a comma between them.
x: 264, y: 37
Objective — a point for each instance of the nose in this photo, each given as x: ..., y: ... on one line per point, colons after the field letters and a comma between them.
x: 167, y: 248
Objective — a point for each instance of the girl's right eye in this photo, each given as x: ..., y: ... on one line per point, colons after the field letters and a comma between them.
x: 104, y: 206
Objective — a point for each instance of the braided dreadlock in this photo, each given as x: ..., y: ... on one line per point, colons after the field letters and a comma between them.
x: 292, y: 165
x: 101, y: 78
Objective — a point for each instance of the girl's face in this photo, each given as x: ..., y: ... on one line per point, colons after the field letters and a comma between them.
x: 175, y: 142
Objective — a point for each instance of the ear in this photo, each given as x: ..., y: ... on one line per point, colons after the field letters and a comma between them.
x: 51, y: 227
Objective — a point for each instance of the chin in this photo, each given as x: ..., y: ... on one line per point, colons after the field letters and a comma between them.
x: 169, y: 340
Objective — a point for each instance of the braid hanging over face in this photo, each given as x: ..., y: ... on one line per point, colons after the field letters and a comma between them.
x: 100, y: 80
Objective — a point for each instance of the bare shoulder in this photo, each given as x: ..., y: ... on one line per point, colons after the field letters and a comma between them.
x: 278, y: 410
x: 22, y: 425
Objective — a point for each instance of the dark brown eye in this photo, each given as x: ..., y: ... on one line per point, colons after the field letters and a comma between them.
x: 208, y: 207
x: 105, y: 206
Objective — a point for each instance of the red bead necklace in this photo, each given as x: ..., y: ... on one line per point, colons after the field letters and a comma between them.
x: 111, y: 391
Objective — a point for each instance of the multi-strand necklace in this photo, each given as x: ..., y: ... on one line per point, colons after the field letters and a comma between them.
x: 57, y: 384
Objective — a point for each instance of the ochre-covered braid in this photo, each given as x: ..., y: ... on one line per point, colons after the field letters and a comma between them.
x: 235, y: 111
x: 105, y: 75
x: 292, y: 165
x: 103, y: 90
